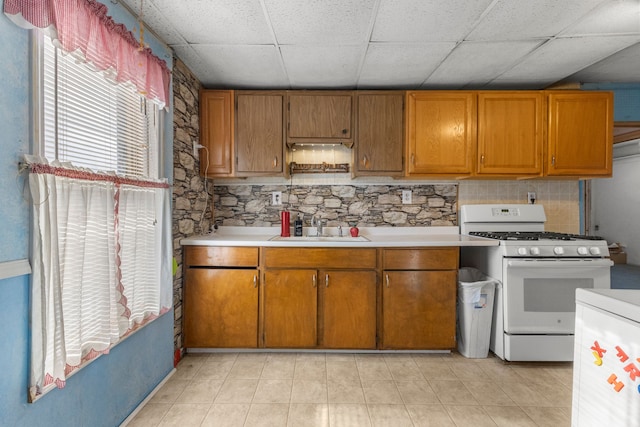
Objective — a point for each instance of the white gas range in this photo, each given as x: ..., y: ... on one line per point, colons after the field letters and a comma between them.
x: 534, y: 310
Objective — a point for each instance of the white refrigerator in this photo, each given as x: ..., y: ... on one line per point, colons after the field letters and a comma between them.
x: 606, y: 363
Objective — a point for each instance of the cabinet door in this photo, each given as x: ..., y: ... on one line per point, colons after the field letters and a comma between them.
x: 441, y: 132
x: 348, y: 307
x: 419, y: 309
x: 259, y: 133
x: 580, y: 134
x: 380, y: 133
x: 320, y: 116
x: 221, y: 308
x: 290, y: 308
x: 510, y: 133
x: 216, y: 132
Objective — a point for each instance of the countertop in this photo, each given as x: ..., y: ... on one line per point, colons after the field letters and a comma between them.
x: 368, y: 237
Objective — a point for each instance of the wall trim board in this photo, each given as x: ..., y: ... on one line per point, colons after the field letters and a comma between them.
x: 16, y: 268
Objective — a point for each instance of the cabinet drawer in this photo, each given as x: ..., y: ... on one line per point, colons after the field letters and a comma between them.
x: 215, y: 256
x: 319, y: 258
x: 420, y: 259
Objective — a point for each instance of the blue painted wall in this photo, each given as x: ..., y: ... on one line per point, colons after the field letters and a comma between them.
x: 105, y: 392
x: 626, y: 99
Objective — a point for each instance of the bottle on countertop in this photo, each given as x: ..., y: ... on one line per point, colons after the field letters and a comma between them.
x: 297, y: 229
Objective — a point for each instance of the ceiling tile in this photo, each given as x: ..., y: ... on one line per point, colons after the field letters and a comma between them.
x: 612, y: 69
x: 543, y: 18
x: 612, y: 17
x: 474, y: 64
x: 560, y: 58
x: 320, y: 22
x: 239, y: 66
x: 322, y: 66
x: 218, y: 21
x: 426, y: 20
x: 156, y: 21
x: 398, y: 66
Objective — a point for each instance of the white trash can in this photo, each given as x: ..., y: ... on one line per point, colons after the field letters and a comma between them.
x: 475, y: 311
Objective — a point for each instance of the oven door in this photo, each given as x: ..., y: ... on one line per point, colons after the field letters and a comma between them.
x: 539, y: 295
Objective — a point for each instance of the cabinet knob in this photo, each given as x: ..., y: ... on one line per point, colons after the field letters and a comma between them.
x: 364, y: 160
x: 313, y: 281
x: 482, y: 159
x: 387, y: 278
x: 344, y: 131
x: 326, y: 280
x: 255, y: 281
x: 275, y: 162
x: 553, y: 160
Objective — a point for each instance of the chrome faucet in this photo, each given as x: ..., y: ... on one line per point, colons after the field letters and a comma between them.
x: 340, y: 230
x: 316, y: 221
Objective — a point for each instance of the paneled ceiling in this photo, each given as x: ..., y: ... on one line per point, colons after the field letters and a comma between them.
x: 399, y: 44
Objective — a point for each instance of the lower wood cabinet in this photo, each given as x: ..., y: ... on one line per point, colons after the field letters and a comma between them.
x: 221, y: 308
x: 331, y: 306
x: 220, y: 304
x: 419, y: 298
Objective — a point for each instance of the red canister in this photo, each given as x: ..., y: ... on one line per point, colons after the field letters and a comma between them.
x: 285, y: 224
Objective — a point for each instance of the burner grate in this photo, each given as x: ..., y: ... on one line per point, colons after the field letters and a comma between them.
x: 532, y: 235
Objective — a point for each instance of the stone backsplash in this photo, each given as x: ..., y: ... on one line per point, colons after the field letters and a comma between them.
x: 345, y: 205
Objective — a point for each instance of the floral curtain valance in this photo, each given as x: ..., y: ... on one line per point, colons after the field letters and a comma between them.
x: 84, y: 26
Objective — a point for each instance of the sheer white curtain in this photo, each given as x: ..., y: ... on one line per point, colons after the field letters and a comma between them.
x: 101, y: 265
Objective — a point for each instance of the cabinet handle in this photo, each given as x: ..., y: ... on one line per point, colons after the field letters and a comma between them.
x: 314, y: 280
x: 553, y: 160
x: 326, y: 280
x: 255, y: 281
x: 482, y: 159
x: 364, y: 160
x: 275, y: 162
x: 413, y: 159
x: 387, y: 277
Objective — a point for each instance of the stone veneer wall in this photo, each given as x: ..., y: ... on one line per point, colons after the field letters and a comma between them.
x: 191, y: 204
x: 363, y: 205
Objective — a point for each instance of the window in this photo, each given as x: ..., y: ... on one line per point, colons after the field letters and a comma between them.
x: 101, y: 241
x: 92, y: 122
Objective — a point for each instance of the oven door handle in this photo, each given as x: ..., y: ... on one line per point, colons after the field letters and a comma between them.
x: 561, y: 263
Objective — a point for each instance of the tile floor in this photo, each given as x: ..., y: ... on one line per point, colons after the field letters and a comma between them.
x: 329, y: 389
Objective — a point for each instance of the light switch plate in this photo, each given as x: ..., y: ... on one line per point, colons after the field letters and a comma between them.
x: 406, y: 197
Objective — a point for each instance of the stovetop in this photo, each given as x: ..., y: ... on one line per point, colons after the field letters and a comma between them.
x: 532, y: 235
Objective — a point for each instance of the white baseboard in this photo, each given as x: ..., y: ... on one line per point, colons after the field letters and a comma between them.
x: 147, y: 399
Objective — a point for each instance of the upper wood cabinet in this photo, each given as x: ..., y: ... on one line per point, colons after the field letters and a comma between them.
x: 216, y: 133
x: 441, y: 132
x: 259, y: 133
x: 510, y: 133
x: 580, y: 139
x: 379, y: 133
x: 320, y: 116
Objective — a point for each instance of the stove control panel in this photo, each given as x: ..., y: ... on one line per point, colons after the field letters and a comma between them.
x: 549, y: 249
x: 505, y: 212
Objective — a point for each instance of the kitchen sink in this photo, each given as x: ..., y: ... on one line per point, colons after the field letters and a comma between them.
x: 320, y: 239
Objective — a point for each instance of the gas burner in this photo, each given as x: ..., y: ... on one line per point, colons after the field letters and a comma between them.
x: 531, y: 235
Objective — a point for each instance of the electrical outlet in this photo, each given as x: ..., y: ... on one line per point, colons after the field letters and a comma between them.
x: 276, y: 198
x: 406, y: 197
x: 531, y: 197
x: 196, y: 149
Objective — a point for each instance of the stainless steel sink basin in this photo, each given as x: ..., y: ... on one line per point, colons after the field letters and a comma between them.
x: 320, y: 239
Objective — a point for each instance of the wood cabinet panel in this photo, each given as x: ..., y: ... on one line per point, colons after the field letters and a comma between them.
x: 259, y: 134
x: 290, y: 308
x: 379, y: 133
x: 216, y: 133
x: 510, y: 133
x: 320, y: 116
x: 419, y: 309
x: 221, y: 256
x: 441, y: 133
x: 319, y: 258
x: 580, y: 138
x: 348, y: 309
x: 420, y: 259
x: 221, y: 308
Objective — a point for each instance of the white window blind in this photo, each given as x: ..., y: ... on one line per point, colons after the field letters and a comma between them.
x: 94, y: 123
